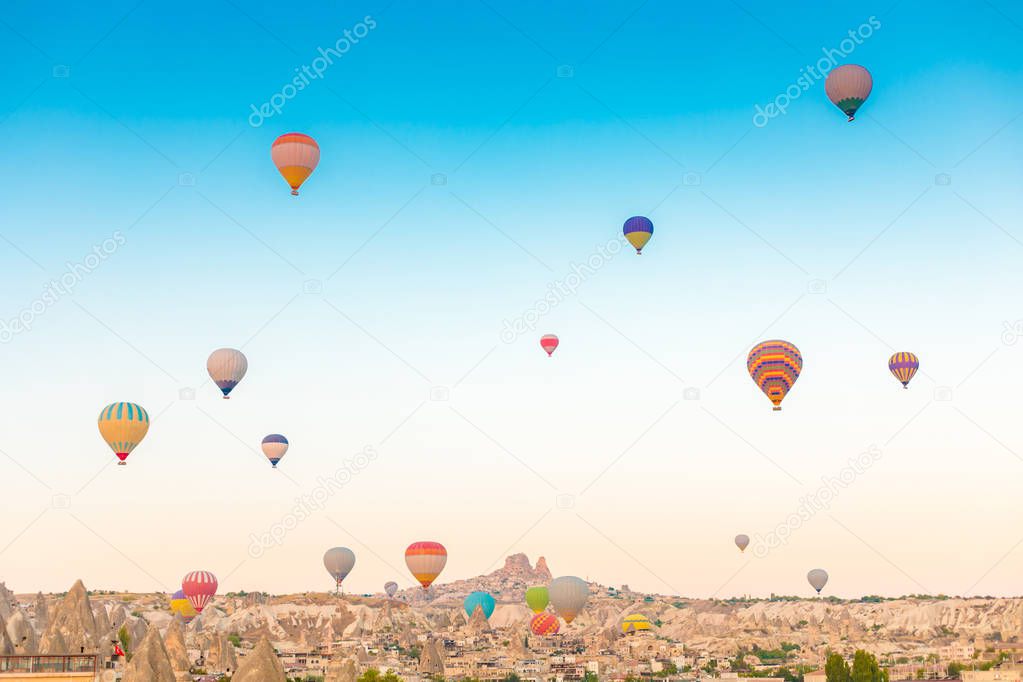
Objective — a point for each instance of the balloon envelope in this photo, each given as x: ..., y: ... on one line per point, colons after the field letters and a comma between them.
x: 391, y: 588
x: 339, y: 562
x: 774, y: 367
x: 481, y: 600
x: 638, y: 231
x: 903, y: 366
x: 568, y: 596
x: 226, y: 367
x: 635, y: 623
x: 549, y: 342
x: 180, y: 605
x: 123, y: 426
x: 296, y: 156
x: 544, y: 624
x: 199, y: 588
x: 425, y: 560
x: 817, y: 578
x: 274, y: 447
x: 537, y: 598
x: 848, y: 87
x: 742, y: 541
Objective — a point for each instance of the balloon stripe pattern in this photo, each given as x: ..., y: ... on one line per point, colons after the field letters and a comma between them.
x: 904, y: 366
x: 123, y: 426
x: 544, y: 624
x: 848, y: 87
x: 296, y: 157
x: 425, y: 560
x: 638, y: 231
x: 199, y: 587
x: 568, y: 596
x: 227, y: 366
x: 390, y: 587
x: 774, y: 367
x: 549, y: 342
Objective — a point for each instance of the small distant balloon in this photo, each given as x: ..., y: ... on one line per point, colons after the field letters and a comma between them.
x: 638, y: 231
x: 568, y: 596
x: 339, y: 562
x: 274, y: 447
x: 199, y: 588
x: 774, y: 367
x: 634, y: 623
x: 544, y: 624
x: 742, y: 541
x: 481, y: 600
x: 296, y: 156
x: 227, y: 367
x: 180, y: 605
x: 537, y: 598
x: 391, y: 588
x: 817, y: 578
x: 549, y: 342
x: 903, y: 365
x: 848, y: 87
x: 425, y: 560
x: 123, y: 426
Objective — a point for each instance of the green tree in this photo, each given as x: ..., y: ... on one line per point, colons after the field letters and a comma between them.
x: 953, y: 670
x: 373, y: 675
x: 511, y: 677
x: 866, y: 669
x: 836, y: 669
x: 124, y: 638
x: 590, y: 676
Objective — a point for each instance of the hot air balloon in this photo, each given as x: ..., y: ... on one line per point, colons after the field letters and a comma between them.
x: 339, y: 562
x: 391, y: 588
x: 295, y: 156
x: 426, y: 560
x: 544, y: 624
x: 199, y: 588
x: 123, y: 426
x: 274, y: 447
x: 180, y: 605
x: 568, y: 596
x: 227, y: 366
x: 635, y: 623
x: 904, y: 366
x: 638, y: 231
x: 742, y: 541
x: 848, y: 87
x: 775, y: 366
x: 817, y: 578
x: 482, y: 600
x: 537, y: 598
x: 549, y: 342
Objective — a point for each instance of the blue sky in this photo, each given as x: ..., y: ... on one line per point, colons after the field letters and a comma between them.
x: 463, y: 169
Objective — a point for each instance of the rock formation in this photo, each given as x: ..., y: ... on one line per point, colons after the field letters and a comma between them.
x: 19, y: 629
x: 74, y: 620
x: 103, y: 626
x: 177, y: 653
x: 52, y: 643
x: 42, y: 612
x: 221, y: 656
x: 342, y: 670
x: 6, y: 647
x: 478, y: 623
x: 7, y: 602
x: 261, y: 665
x: 430, y: 661
x: 149, y: 663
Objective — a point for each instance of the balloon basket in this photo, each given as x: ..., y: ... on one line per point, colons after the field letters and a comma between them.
x: 776, y: 408
x: 122, y: 463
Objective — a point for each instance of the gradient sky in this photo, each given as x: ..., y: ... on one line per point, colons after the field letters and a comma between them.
x: 381, y: 288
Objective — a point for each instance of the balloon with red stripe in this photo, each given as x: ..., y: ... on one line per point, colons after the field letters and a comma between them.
x: 544, y: 624
x: 549, y: 342
x: 199, y: 587
x: 425, y: 560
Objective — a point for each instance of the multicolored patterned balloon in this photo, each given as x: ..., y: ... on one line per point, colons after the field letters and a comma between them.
x: 123, y: 426
x: 425, y: 561
x: 549, y: 342
x: 775, y: 366
x: 904, y: 366
x: 638, y: 231
x: 544, y: 624
x: 275, y: 446
x: 296, y: 156
x: 199, y: 588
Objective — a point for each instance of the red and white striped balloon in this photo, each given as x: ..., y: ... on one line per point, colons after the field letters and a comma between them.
x: 199, y: 587
x: 549, y: 342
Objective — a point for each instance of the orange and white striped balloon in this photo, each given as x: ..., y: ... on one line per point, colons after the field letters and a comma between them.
x: 295, y: 156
